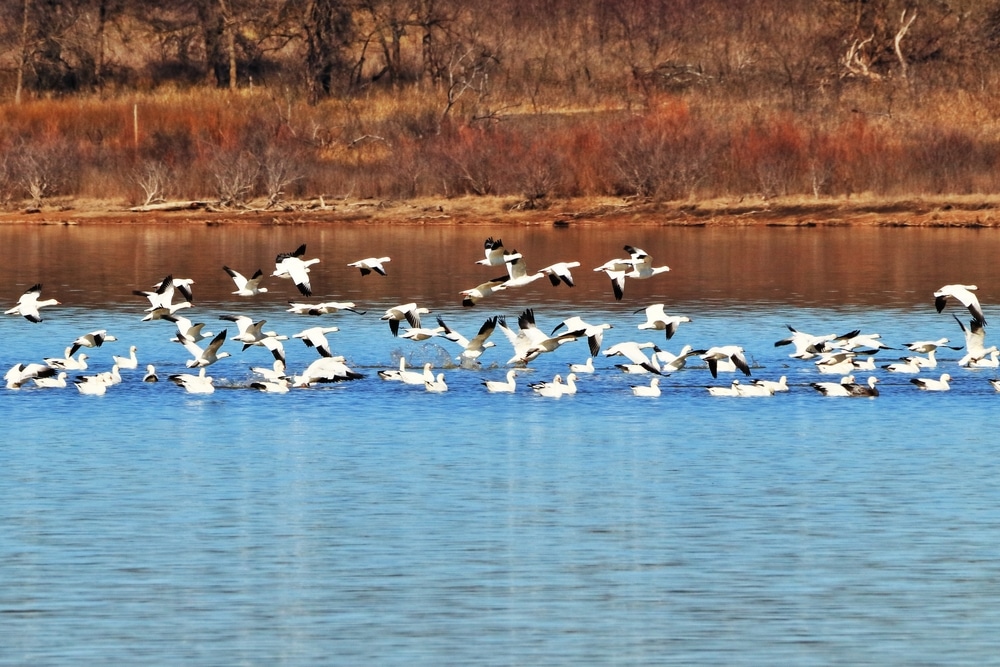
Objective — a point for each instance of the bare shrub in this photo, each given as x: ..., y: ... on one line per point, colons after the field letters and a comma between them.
x: 659, y: 155
x: 235, y: 174
x: 772, y: 154
x: 153, y: 178
x: 279, y: 169
x: 8, y: 182
x: 43, y: 171
x: 948, y: 159
x: 472, y: 162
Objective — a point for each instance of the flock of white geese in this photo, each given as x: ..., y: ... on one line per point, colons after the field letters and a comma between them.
x: 841, y: 356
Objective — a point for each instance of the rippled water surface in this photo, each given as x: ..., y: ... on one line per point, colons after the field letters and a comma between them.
x: 374, y: 523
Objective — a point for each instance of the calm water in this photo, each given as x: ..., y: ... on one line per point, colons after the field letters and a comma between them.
x: 374, y: 523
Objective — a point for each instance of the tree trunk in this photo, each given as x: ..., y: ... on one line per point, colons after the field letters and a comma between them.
x: 327, y: 28
x: 22, y: 61
x: 212, y: 28
x: 102, y: 18
x: 229, y: 23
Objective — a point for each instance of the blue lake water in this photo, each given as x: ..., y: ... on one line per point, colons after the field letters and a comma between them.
x: 374, y: 523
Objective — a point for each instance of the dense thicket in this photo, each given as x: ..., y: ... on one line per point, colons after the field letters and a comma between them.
x: 244, y: 100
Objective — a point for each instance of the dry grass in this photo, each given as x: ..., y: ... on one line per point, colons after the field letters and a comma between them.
x: 392, y: 146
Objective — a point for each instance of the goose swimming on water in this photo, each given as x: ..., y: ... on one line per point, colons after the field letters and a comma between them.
x: 651, y: 390
x: 930, y: 384
x: 781, y: 384
x: 127, y: 363
x: 68, y: 362
x: 57, y: 382
x: 194, y: 384
x: 507, y: 386
x: 554, y: 389
x: 731, y: 390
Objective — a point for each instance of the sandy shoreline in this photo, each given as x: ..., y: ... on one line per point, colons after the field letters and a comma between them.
x: 970, y: 211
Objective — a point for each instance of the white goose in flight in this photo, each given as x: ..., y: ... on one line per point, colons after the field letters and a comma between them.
x: 474, y: 348
x: 92, y: 339
x: 517, y: 272
x: 633, y: 351
x: 530, y: 341
x: 668, y: 362
x: 409, y: 312
x: 495, y: 253
x: 324, y: 308
x: 593, y: 332
x: 187, y: 332
x: 246, y: 286
x: 471, y: 297
x: 638, y: 266
x: 210, y: 354
x: 291, y: 265
x: 975, y: 341
x: 964, y: 295
x: 560, y: 272
x: 370, y: 264
x: 161, y: 299
x: 658, y: 320
x: 315, y: 337
x: 807, y: 346
x: 734, y: 353
x: 29, y: 304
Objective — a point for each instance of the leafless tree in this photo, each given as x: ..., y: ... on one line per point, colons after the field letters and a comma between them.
x: 152, y: 178
x: 235, y: 175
